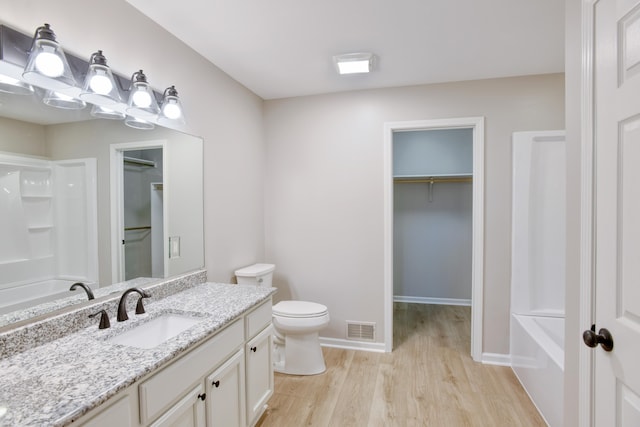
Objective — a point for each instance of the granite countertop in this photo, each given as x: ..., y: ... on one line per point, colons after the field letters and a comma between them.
x: 56, y: 383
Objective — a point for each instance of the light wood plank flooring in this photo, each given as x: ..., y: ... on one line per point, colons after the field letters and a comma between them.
x: 428, y: 380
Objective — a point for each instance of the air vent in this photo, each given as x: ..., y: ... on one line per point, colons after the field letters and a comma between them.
x: 361, y: 331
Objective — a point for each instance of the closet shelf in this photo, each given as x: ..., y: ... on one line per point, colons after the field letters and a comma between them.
x: 36, y: 196
x: 455, y: 177
x: 40, y: 227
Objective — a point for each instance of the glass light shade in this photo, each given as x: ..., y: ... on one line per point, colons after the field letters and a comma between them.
x: 60, y: 100
x: 171, y: 110
x: 142, y: 102
x: 14, y: 86
x: 101, y: 112
x: 136, y: 123
x: 47, y: 64
x: 99, y: 85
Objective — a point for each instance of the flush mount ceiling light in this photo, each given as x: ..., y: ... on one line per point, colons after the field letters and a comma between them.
x: 47, y: 64
x: 142, y: 101
x: 101, y: 112
x: 171, y: 109
x: 99, y: 85
x: 14, y: 86
x: 354, y: 63
x: 61, y: 100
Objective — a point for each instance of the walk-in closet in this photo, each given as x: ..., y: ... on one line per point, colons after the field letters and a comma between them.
x: 433, y: 216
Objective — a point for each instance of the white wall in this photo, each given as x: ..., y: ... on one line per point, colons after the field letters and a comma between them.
x: 224, y: 113
x: 324, y: 188
x: 21, y: 137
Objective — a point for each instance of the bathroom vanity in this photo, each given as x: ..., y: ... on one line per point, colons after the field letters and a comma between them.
x: 217, y: 371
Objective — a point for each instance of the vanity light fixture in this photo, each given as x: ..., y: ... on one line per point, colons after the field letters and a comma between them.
x: 99, y: 84
x: 47, y: 64
x: 142, y: 101
x: 171, y: 109
x: 100, y: 112
x: 56, y: 99
x: 14, y: 86
x: 136, y: 123
x: 354, y: 63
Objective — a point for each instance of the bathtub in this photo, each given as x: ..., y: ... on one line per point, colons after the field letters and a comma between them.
x: 537, y: 358
x: 28, y: 295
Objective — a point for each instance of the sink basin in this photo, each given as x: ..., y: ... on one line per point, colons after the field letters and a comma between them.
x: 156, y: 331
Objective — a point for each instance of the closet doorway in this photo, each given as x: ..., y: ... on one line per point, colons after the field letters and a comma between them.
x: 137, y: 210
x: 454, y: 182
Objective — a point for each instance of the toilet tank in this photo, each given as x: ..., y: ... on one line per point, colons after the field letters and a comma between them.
x: 256, y: 274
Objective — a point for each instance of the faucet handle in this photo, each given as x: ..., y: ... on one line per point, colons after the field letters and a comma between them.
x: 104, y: 319
x: 139, y: 306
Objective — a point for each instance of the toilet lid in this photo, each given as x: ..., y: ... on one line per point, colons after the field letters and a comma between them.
x: 299, y: 309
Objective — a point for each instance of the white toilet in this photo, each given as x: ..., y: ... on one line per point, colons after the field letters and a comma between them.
x: 297, y: 323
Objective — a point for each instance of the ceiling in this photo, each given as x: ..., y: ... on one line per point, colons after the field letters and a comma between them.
x: 283, y: 48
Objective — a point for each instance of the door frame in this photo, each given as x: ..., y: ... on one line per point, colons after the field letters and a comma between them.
x: 477, y: 263
x: 586, y: 315
x: 116, y: 168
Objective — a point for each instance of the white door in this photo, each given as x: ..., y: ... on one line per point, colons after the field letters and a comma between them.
x: 617, y: 210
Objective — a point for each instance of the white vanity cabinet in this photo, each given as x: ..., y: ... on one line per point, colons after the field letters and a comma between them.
x: 225, y: 381
x: 259, y: 363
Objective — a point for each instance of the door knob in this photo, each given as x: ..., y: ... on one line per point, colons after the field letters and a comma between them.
x: 603, y: 337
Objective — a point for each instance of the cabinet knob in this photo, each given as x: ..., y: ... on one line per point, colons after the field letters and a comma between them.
x: 254, y: 349
x: 216, y: 383
x: 202, y: 396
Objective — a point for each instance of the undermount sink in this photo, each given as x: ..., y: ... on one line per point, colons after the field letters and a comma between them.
x: 156, y: 331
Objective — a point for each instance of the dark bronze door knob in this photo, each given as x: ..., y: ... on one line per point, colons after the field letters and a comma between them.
x: 603, y: 337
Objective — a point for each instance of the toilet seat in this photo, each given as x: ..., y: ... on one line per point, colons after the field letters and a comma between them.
x: 299, y: 309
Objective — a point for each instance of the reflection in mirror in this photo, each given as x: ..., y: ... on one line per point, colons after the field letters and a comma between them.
x: 56, y: 205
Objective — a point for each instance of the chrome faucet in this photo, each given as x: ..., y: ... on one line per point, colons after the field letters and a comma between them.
x: 122, y: 306
x: 86, y: 288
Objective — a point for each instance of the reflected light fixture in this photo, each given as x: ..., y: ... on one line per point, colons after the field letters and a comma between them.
x: 14, y: 86
x: 101, y: 112
x: 47, y: 64
x: 61, y: 100
x: 136, y: 123
x: 354, y: 63
x: 99, y: 85
x: 171, y: 109
x: 142, y: 101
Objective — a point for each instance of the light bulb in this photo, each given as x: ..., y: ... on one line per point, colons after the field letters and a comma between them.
x: 49, y: 64
x: 141, y: 99
x: 172, y: 111
x: 100, y: 84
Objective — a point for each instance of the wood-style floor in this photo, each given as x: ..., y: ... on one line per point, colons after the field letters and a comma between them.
x: 428, y: 380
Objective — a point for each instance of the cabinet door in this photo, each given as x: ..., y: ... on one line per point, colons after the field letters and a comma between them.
x: 226, y: 395
x: 118, y: 414
x: 188, y: 412
x: 259, y: 374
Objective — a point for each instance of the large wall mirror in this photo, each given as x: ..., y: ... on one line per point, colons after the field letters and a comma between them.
x: 64, y: 221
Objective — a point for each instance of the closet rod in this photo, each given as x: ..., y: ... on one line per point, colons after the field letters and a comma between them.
x: 141, y: 162
x: 144, y: 227
x: 434, y: 180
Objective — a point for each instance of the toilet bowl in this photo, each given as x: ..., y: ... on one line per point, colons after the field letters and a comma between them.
x: 296, y: 345
x: 296, y: 348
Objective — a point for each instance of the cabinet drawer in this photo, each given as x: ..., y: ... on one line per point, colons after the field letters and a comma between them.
x: 258, y: 319
x: 161, y: 390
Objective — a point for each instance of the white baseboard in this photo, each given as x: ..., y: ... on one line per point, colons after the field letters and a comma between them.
x: 428, y: 300
x: 496, y: 359
x: 377, y: 347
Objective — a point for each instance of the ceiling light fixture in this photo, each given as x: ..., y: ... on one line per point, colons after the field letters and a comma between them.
x: 354, y: 63
x: 14, y: 86
x: 142, y: 101
x: 99, y: 85
x: 171, y: 109
x: 61, y: 100
x: 136, y: 123
x: 101, y: 112
x: 47, y: 64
